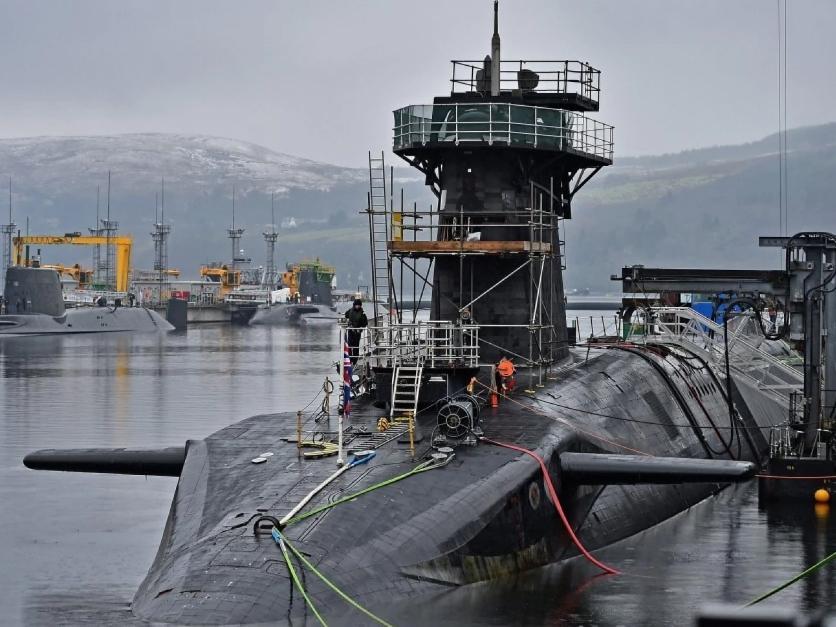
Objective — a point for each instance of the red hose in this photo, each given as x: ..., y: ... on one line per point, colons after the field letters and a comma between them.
x: 553, y: 495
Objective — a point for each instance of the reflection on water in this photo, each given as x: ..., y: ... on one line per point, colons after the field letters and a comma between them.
x: 74, y: 547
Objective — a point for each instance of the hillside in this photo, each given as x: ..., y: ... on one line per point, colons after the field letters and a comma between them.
x: 702, y: 207
x: 55, y: 180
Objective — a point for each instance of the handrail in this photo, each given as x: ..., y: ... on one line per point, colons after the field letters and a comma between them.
x: 436, y: 343
x: 550, y: 77
x: 502, y: 123
x: 690, y: 327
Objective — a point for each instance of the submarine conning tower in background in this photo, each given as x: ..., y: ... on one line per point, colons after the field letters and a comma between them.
x: 504, y: 154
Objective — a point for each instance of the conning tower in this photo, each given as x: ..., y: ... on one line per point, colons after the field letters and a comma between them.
x: 504, y: 154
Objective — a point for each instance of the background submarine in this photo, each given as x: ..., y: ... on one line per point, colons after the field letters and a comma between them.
x: 35, y: 306
x: 628, y: 433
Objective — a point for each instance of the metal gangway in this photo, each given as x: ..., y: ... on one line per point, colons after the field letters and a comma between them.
x: 687, y: 328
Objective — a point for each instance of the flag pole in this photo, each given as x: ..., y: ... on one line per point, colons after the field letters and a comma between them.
x: 340, y: 459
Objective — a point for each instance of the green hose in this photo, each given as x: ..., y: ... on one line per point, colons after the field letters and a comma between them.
x: 333, y: 587
x: 285, y: 545
x: 787, y: 584
x: 277, y: 536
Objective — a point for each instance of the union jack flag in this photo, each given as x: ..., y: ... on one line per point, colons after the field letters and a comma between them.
x: 346, y: 379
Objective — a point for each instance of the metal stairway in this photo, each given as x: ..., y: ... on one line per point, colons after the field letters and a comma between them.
x: 406, y: 386
x: 691, y: 330
x: 379, y: 236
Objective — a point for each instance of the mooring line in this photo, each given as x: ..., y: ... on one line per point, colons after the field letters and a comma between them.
x: 798, y: 577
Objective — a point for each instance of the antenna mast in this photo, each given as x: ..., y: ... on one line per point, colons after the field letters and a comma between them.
x: 109, y: 227
x: 160, y: 237
x: 7, y: 232
x: 270, y: 277
x: 235, y: 237
x: 495, y: 56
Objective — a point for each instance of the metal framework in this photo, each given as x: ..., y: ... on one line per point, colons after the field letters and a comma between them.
x: 160, y: 237
x: 379, y: 230
x: 685, y: 327
x: 551, y: 77
x: 7, y: 232
x: 121, y: 245
x: 270, y: 276
x: 409, y: 237
x: 432, y: 343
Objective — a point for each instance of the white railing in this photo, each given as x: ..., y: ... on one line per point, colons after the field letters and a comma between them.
x: 692, y: 330
x: 502, y: 123
x: 436, y: 343
x: 542, y: 77
x: 90, y: 297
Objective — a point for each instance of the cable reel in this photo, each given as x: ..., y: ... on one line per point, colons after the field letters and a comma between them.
x: 459, y: 417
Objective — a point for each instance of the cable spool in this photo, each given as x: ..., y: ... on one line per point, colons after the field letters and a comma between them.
x: 458, y: 417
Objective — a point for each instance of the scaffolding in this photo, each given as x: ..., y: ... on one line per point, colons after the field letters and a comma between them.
x: 412, y: 240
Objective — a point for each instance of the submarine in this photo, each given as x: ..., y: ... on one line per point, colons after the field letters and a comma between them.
x: 309, y: 284
x: 35, y: 306
x: 436, y: 472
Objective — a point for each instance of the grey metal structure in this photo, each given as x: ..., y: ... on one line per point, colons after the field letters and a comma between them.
x: 379, y: 204
x: 805, y: 290
x: 811, y: 268
x: 235, y: 234
x: 160, y: 235
x: 7, y: 233
x: 270, y: 276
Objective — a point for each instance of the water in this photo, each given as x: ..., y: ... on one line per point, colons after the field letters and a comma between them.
x: 74, y: 544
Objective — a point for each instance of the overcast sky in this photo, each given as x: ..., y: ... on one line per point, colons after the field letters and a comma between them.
x: 320, y: 79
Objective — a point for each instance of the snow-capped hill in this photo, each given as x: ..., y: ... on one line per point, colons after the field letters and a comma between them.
x: 138, y: 161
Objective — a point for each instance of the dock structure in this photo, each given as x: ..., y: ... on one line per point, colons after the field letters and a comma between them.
x: 802, y: 458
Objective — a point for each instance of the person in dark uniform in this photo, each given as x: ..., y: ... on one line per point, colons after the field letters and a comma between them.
x: 357, y: 321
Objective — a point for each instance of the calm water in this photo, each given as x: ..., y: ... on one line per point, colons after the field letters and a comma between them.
x: 74, y: 544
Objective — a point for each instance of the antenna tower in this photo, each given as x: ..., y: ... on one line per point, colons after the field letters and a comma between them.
x: 7, y: 232
x: 270, y: 277
x: 160, y: 237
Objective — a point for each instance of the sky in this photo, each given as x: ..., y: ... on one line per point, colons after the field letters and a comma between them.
x: 320, y: 79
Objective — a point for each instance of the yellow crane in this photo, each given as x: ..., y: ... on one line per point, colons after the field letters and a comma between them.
x: 121, y: 243
x: 83, y: 276
x: 222, y: 274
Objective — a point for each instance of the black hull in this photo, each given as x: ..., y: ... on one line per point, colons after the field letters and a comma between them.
x: 484, y: 515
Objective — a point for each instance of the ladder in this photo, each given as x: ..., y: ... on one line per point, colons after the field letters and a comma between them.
x: 406, y: 386
x: 379, y: 236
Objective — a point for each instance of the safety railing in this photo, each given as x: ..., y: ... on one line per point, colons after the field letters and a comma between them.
x: 545, y: 77
x: 78, y: 298
x: 504, y: 124
x: 436, y: 343
x: 692, y: 330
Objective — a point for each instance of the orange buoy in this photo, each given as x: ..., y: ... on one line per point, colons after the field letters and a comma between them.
x: 821, y: 495
x: 494, y: 399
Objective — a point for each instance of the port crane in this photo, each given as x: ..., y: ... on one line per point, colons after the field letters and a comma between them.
x: 121, y: 243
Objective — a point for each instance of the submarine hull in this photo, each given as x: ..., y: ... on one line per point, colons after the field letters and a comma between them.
x: 86, y: 320
x: 483, y: 515
x: 295, y: 315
